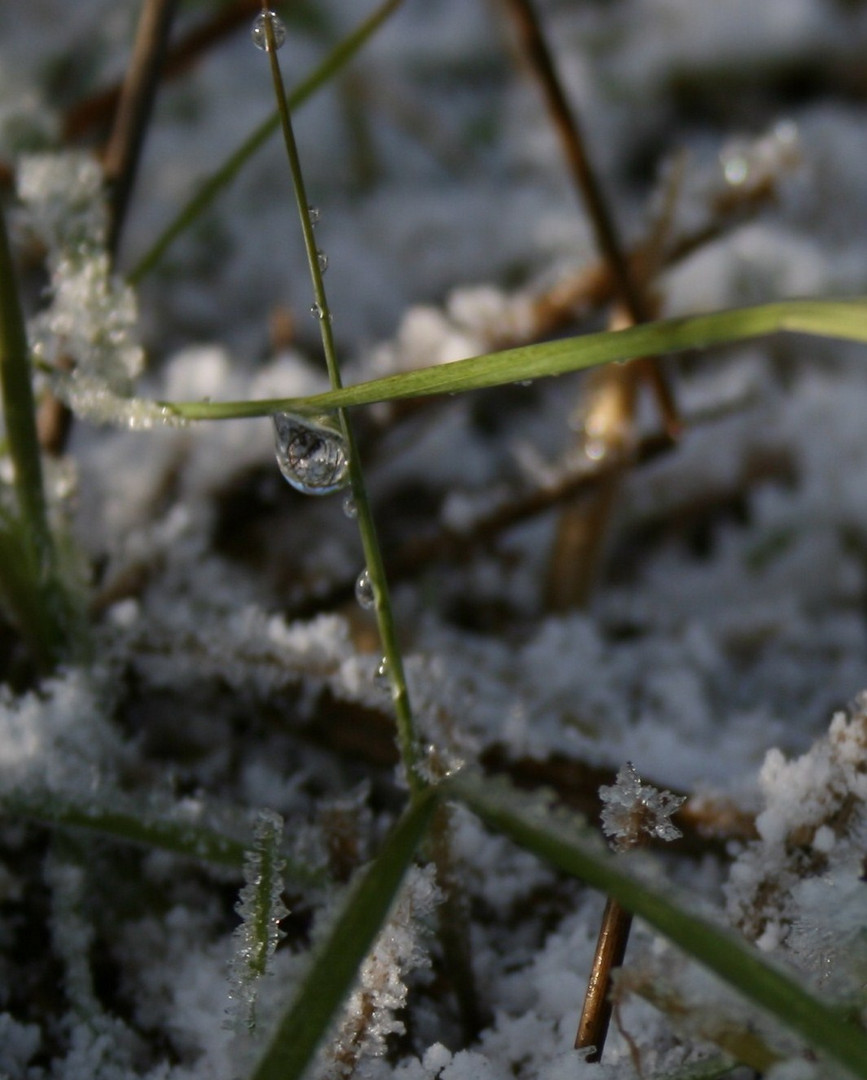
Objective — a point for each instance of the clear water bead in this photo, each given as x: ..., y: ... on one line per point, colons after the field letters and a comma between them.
x: 314, y: 213
x: 364, y: 593
x: 322, y: 260
x: 350, y: 510
x: 259, y: 30
x: 312, y: 455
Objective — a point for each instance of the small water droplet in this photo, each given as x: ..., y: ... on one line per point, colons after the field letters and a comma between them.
x: 364, y: 593
x: 349, y: 507
x: 311, y: 454
x: 382, y: 675
x: 736, y: 169
x: 322, y: 259
x: 594, y: 448
x: 260, y: 35
x: 314, y: 213
x: 524, y: 382
x: 316, y: 310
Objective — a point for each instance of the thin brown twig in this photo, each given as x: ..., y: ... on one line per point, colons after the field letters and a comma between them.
x: 122, y: 154
x: 610, y: 950
x: 98, y: 108
x: 535, y: 49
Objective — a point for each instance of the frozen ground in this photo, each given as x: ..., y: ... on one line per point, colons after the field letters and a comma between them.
x: 727, y: 629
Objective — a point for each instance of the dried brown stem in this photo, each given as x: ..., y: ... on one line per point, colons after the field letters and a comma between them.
x: 537, y: 54
x: 610, y: 950
x: 122, y: 154
x: 98, y: 108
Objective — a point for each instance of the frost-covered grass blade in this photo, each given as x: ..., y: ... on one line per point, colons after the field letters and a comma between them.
x: 183, y: 829
x: 332, y: 974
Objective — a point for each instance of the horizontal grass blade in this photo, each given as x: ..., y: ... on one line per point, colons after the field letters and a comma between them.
x: 569, y: 845
x: 134, y: 822
x: 333, y: 971
x: 840, y: 319
x: 226, y: 173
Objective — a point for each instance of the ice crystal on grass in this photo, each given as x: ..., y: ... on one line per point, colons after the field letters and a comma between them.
x: 634, y: 810
x: 63, y: 196
x: 370, y: 1015
x: 89, y: 329
x: 261, y: 908
x: 93, y: 399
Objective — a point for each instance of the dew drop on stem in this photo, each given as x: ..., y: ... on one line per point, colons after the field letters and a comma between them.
x: 314, y: 213
x: 259, y: 32
x: 350, y: 509
x: 364, y: 592
x: 322, y: 260
x: 312, y: 454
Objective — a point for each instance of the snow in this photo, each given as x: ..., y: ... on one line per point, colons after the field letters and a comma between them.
x: 723, y: 652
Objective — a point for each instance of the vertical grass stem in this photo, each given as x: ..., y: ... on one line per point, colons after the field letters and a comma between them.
x: 407, y: 741
x: 37, y: 582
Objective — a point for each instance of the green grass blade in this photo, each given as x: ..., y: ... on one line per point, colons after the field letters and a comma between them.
x: 333, y: 972
x: 840, y: 319
x: 167, y: 828
x: 571, y: 846
x: 336, y: 59
x: 29, y: 579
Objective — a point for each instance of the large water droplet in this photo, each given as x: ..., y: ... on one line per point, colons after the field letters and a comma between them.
x: 311, y: 454
x: 259, y: 32
x: 322, y: 260
x: 364, y: 593
x: 314, y: 213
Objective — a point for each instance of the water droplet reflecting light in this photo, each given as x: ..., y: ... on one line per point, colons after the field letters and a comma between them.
x: 364, y: 593
x: 311, y: 454
x: 259, y: 31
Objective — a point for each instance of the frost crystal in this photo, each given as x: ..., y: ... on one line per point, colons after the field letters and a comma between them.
x: 381, y: 990
x: 261, y: 907
x: 634, y: 810
x: 88, y: 330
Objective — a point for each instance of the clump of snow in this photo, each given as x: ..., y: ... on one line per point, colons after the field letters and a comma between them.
x: 799, y: 888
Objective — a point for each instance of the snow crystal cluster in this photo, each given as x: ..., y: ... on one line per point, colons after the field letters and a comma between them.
x: 87, y: 337
x: 799, y: 889
x: 633, y: 811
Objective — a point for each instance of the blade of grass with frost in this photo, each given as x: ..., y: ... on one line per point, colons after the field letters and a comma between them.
x: 134, y: 822
x: 569, y: 844
x: 845, y: 320
x: 226, y: 173
x: 338, y: 960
